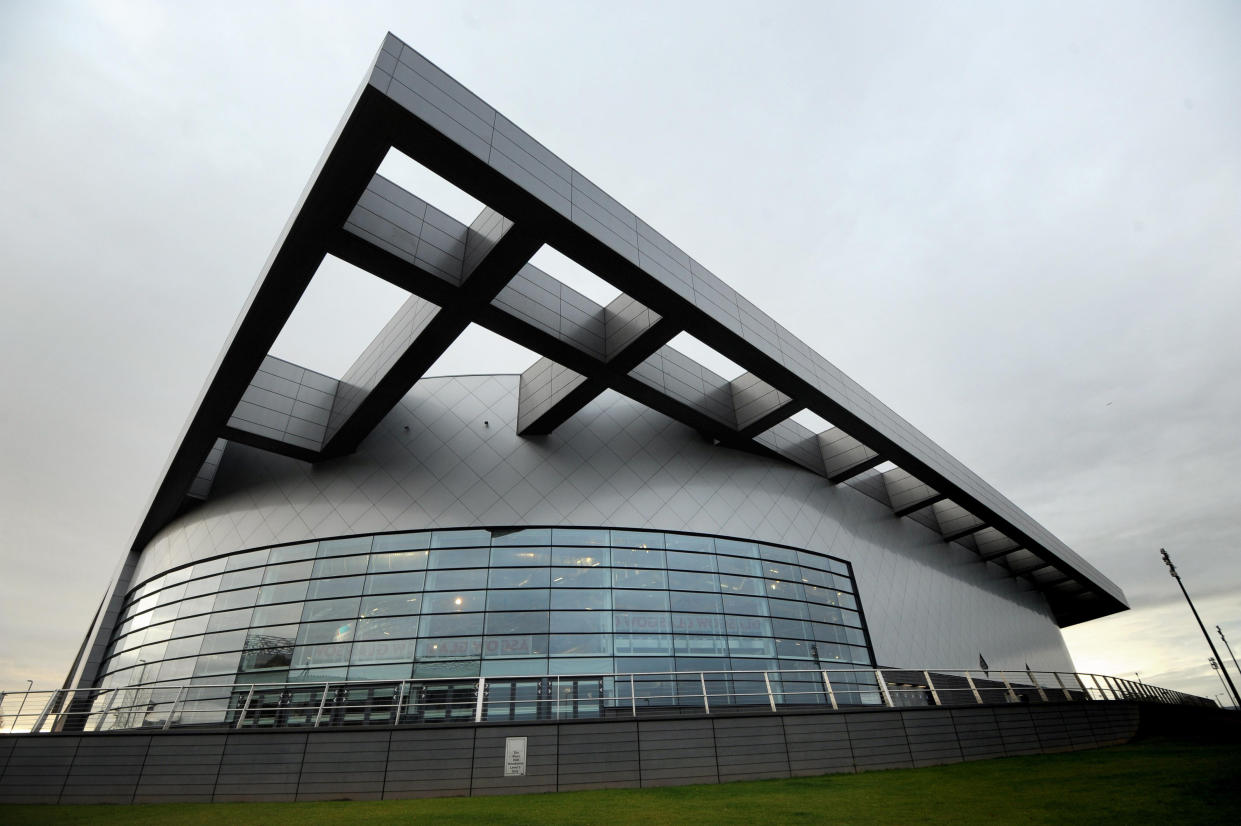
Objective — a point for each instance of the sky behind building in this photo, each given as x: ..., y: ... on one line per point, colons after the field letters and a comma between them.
x: 1017, y: 224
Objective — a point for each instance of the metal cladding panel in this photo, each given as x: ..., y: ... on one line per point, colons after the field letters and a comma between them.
x: 617, y: 463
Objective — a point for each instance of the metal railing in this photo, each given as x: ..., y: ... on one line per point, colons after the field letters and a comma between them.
x: 550, y: 698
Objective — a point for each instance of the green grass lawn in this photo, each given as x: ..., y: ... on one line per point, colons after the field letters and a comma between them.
x: 1155, y: 781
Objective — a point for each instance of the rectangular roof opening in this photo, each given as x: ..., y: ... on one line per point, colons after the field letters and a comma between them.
x: 709, y: 358
x: 416, y: 179
x: 572, y: 274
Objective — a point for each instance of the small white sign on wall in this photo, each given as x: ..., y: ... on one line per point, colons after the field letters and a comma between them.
x: 515, y: 757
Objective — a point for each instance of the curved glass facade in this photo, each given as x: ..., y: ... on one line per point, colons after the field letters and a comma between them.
x: 489, y: 602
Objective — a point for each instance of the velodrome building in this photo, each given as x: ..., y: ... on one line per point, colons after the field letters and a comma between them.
x: 617, y: 509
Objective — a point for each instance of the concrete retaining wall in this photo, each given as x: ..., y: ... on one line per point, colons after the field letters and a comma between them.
x: 358, y: 764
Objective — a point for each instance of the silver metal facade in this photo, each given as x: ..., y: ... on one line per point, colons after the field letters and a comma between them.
x: 617, y: 464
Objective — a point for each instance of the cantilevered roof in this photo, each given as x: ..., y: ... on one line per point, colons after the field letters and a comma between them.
x: 457, y: 275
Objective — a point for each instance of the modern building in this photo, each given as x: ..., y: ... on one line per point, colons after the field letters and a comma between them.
x: 615, y: 509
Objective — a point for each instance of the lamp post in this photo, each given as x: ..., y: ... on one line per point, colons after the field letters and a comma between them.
x: 1172, y: 570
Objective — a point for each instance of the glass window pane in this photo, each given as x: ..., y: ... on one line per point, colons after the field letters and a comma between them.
x: 401, y: 583
x: 380, y: 672
x: 521, y: 536
x: 581, y: 600
x: 691, y: 581
x: 581, y: 578
x: 395, y: 604
x: 637, y: 578
x: 383, y: 651
x: 753, y: 606
x: 453, y: 602
x: 340, y: 566
x: 699, y: 645
x: 183, y: 647
x: 581, y: 665
x: 211, y: 566
x: 785, y: 590
x: 193, y: 588
x: 277, y: 614
x: 511, y: 557
x: 247, y: 560
x: 696, y: 602
x: 229, y: 619
x: 176, y: 669
x: 326, y: 609
x: 516, y: 645
x: 626, y: 600
x: 442, y: 648
x: 463, y: 580
x: 731, y: 584
x: 592, y: 622
x: 193, y: 625
x: 736, y: 547
x: 291, y: 553
x: 313, y: 633
x: 748, y: 626
x: 274, y: 636
x: 581, y: 557
x: 288, y: 572
x: 581, y: 645
x: 399, y: 561
x: 637, y: 539
x: 241, y: 579
x: 345, y: 547
x: 791, y: 629
x: 318, y: 656
x: 751, y: 647
x: 381, y: 628
x: 641, y: 622
x: 525, y: 599
x: 772, y: 553
x: 450, y: 625
x: 266, y: 659
x: 788, y: 609
x: 335, y: 588
x: 402, y: 542
x: 519, y: 578
x: 688, y: 542
x: 795, y: 649
x: 781, y: 570
x: 221, y: 664
x: 637, y: 558
x: 685, y: 561
x: 284, y: 592
x: 227, y: 641
x: 711, y: 624
x: 168, y: 595
x: 229, y: 600
x: 519, y: 622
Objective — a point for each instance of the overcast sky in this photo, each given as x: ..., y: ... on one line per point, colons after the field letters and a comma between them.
x: 1019, y: 225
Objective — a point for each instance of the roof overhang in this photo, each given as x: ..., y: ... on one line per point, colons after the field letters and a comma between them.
x: 458, y: 274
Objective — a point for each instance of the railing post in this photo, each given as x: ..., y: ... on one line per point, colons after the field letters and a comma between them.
x: 246, y: 707
x: 478, y: 703
x: 558, y: 697
x: 47, y: 709
x: 1012, y: 695
x: 322, y: 703
x: 934, y: 694
x: 706, y: 704
x: 973, y: 688
x: 400, y: 698
x: 831, y: 695
x: 1082, y: 684
x: 1067, y: 695
x: 771, y: 698
x: 633, y: 698
x: 1041, y: 693
x: 883, y: 688
x: 173, y: 710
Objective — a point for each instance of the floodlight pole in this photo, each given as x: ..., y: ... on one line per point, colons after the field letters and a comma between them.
x: 1172, y: 570
x: 1229, y: 647
x: 1215, y: 667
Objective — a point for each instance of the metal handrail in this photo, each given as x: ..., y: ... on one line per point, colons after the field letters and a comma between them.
x: 418, y: 701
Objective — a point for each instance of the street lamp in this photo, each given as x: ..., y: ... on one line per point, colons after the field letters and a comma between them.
x: 1236, y: 699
